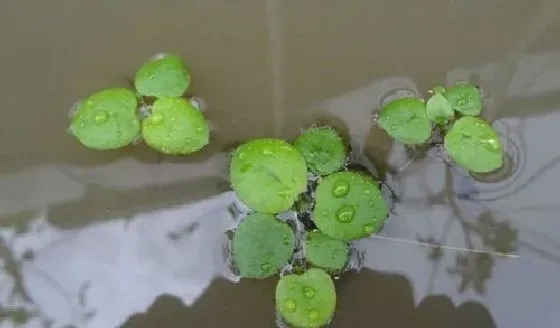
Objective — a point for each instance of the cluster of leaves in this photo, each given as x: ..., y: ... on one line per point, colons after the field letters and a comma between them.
x: 269, y: 175
x: 452, y: 114
x: 112, y: 118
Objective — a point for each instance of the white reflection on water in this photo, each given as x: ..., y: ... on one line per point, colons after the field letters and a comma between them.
x: 99, y: 275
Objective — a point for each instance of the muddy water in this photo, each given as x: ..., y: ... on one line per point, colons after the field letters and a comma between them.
x: 135, y: 239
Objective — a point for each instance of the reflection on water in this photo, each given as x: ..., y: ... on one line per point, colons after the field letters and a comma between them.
x: 133, y: 238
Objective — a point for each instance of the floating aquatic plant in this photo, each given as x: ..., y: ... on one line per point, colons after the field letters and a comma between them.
x: 262, y: 245
x: 439, y: 109
x: 326, y: 252
x: 406, y: 120
x: 469, y: 141
x: 175, y: 127
x: 110, y: 118
x: 323, y: 150
x: 107, y: 119
x: 349, y: 206
x: 163, y: 76
x: 307, y: 300
x: 473, y: 144
x: 268, y: 174
x: 465, y: 98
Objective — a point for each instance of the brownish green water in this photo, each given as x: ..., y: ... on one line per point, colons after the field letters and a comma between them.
x: 135, y: 239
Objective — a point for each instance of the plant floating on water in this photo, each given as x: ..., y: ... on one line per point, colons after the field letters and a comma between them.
x: 110, y: 118
x: 473, y: 144
x: 262, y: 245
x: 470, y: 141
x: 323, y: 150
x: 107, y: 119
x: 334, y: 205
x: 163, y: 76
x: 268, y: 174
x: 465, y: 98
x: 307, y: 300
x: 349, y: 206
x: 175, y: 127
x: 325, y: 252
x: 406, y: 120
x: 439, y: 109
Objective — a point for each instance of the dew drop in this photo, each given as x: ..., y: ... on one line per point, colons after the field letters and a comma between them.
x: 284, y: 193
x: 492, y: 144
x: 188, y: 141
x: 369, y: 229
x: 340, y: 188
x: 151, y: 76
x: 242, y: 155
x: 290, y: 305
x: 345, y: 214
x: 367, y: 191
x: 101, y: 117
x: 199, y: 129
x: 266, y: 266
x: 325, y: 212
x: 308, y: 292
x: 313, y: 314
x: 267, y: 152
x: 156, y: 119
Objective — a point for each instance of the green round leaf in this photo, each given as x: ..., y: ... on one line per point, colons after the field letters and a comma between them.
x: 439, y: 109
x: 325, y: 252
x: 474, y: 145
x: 406, y: 120
x: 348, y: 206
x: 322, y: 149
x: 307, y: 300
x: 262, y: 245
x: 268, y: 174
x: 107, y: 119
x: 164, y: 76
x: 465, y: 98
x: 175, y: 127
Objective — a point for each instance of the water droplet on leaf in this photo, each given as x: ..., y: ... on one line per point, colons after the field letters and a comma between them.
x: 369, y: 229
x: 290, y: 305
x: 101, y: 117
x: 313, y: 314
x: 340, y: 188
x: 308, y: 292
x: 345, y: 214
x: 156, y: 119
x: 266, y: 266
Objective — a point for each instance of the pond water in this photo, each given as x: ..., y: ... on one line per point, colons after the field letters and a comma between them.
x: 133, y: 238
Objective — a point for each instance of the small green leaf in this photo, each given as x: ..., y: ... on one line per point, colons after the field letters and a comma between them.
x: 325, y: 252
x: 164, y: 76
x: 465, y: 98
x: 474, y: 145
x: 307, y: 300
x: 348, y: 206
x: 262, y: 245
x: 107, y: 119
x: 268, y: 174
x: 406, y: 120
x: 175, y: 127
x: 322, y: 149
x: 439, y: 109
